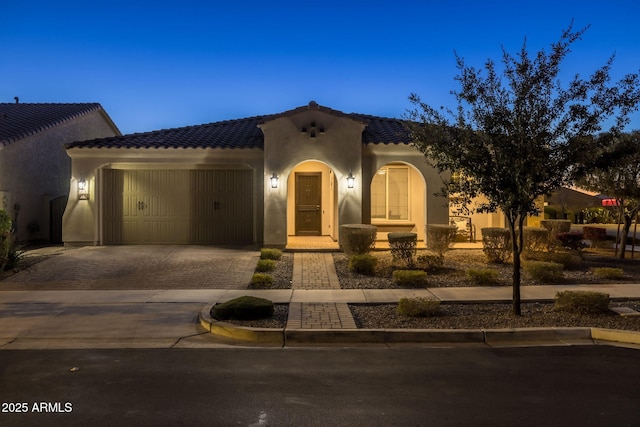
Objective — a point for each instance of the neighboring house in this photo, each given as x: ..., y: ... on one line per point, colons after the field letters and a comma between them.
x: 255, y: 180
x: 35, y: 170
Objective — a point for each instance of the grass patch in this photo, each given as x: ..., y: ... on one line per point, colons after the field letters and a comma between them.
x: 482, y: 276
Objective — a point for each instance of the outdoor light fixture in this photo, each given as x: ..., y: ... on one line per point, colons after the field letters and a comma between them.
x: 350, y: 180
x: 274, y: 180
x: 83, y: 190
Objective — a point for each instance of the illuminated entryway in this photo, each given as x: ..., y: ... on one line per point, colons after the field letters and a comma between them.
x: 398, y: 200
x: 311, y: 201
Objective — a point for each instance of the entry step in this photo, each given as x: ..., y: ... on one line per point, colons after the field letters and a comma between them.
x: 625, y: 311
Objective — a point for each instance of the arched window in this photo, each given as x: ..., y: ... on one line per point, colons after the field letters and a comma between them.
x: 390, y: 193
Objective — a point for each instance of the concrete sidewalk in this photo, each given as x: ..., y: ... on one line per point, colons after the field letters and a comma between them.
x: 286, y: 296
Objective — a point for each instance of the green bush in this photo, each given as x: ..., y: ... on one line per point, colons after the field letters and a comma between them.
x: 430, y: 261
x: 599, y: 216
x: 410, y: 278
x: 265, y: 265
x: 403, y: 247
x: 555, y: 227
x: 482, y: 276
x: 243, y: 308
x: 261, y: 281
x: 565, y: 258
x: 543, y: 272
x: 270, y: 253
x: 536, y: 239
x: 418, y: 307
x: 357, y: 238
x: 608, y: 272
x: 5, y: 222
x: 363, y: 264
x: 582, y: 302
x: 440, y: 236
x: 496, y: 244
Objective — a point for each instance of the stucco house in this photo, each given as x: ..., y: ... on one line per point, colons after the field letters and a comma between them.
x: 34, y: 167
x: 255, y: 180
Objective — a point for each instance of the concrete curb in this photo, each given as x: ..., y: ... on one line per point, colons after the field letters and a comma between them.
x: 490, y: 337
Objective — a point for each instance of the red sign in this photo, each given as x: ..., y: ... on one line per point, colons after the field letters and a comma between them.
x: 610, y: 202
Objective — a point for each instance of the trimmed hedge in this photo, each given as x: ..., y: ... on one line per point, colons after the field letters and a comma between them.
x: 363, y: 264
x: 261, y: 281
x: 243, y: 308
x: 582, y: 302
x: 403, y: 247
x: 418, y: 307
x: 482, y: 276
x: 496, y: 244
x: 270, y: 253
x: 265, y: 265
x: 357, y: 238
x: 410, y: 278
x: 440, y: 236
x: 608, y: 272
x: 543, y: 272
x: 536, y: 239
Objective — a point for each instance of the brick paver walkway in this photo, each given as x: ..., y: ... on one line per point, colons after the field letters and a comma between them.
x: 316, y: 270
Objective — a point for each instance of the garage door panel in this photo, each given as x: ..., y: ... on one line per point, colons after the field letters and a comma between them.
x: 178, y: 206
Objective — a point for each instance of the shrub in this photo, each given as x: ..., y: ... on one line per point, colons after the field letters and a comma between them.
x: 482, y: 276
x: 582, y: 302
x: 430, y: 261
x: 403, y: 247
x: 596, y: 235
x: 555, y: 226
x: 410, y: 278
x: 243, y: 308
x: 363, y: 264
x: 543, y: 272
x: 608, y: 272
x: 261, y: 281
x: 265, y: 265
x: 496, y: 244
x: 536, y: 239
x: 565, y: 258
x: 357, y: 238
x: 572, y: 240
x: 270, y: 253
x: 599, y: 216
x: 440, y: 236
x: 418, y: 307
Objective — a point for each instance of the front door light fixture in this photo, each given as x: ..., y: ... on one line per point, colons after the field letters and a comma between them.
x: 83, y: 190
x: 274, y: 180
x: 351, y: 180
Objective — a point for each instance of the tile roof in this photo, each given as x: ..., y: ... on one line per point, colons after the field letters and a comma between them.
x: 20, y: 120
x: 243, y: 133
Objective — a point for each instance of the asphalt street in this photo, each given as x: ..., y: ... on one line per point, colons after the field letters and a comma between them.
x: 534, y: 386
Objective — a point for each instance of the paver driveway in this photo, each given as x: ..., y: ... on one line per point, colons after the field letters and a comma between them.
x: 139, y: 267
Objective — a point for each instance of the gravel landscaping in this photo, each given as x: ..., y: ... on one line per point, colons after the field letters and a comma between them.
x: 460, y: 316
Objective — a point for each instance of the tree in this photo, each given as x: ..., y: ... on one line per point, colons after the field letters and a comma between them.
x: 616, y: 172
x: 518, y: 133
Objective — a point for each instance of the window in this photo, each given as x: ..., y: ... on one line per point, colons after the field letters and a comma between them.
x: 390, y: 194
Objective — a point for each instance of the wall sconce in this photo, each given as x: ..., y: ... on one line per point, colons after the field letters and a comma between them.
x: 350, y: 180
x: 274, y: 180
x: 83, y: 190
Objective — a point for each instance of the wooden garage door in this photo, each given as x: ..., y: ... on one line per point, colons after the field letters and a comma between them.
x: 178, y: 207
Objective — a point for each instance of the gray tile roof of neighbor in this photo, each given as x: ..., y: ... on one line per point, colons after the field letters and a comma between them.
x: 243, y: 133
x: 20, y: 120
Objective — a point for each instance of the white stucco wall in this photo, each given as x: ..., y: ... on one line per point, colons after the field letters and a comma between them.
x: 36, y: 169
x: 286, y: 146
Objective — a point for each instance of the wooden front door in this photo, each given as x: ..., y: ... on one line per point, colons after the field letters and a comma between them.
x: 308, y: 203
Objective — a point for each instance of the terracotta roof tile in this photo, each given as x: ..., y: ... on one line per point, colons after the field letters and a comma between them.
x: 243, y: 133
x: 20, y: 120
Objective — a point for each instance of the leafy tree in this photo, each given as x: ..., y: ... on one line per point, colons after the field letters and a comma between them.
x: 616, y: 172
x: 518, y: 133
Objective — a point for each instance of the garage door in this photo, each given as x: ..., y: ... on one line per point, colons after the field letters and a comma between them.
x: 178, y: 207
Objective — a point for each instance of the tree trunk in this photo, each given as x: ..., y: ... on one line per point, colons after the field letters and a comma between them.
x: 628, y: 219
x: 516, y: 244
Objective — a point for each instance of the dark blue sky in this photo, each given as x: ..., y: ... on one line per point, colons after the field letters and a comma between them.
x: 156, y: 65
